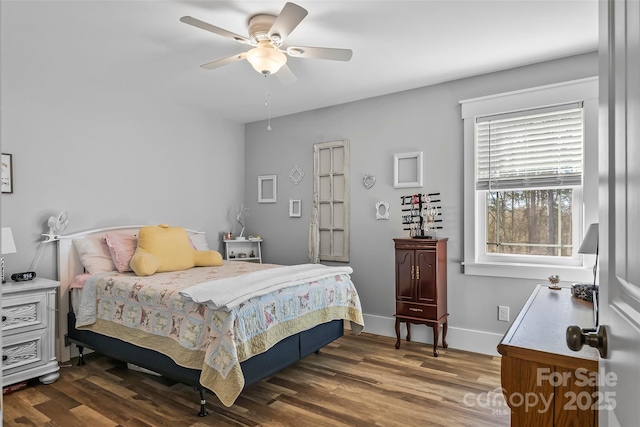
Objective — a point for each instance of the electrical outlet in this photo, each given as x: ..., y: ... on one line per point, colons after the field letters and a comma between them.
x: 503, y: 313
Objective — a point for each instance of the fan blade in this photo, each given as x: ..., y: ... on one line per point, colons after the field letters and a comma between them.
x: 320, y: 53
x: 289, y: 18
x: 285, y: 75
x: 213, y: 29
x: 224, y: 61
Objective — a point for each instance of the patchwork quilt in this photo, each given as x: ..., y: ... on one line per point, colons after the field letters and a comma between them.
x: 156, y: 312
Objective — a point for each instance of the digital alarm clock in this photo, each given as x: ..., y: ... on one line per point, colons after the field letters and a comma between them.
x: 23, y: 277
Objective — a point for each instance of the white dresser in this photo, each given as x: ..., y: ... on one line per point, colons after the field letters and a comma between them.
x: 28, y: 331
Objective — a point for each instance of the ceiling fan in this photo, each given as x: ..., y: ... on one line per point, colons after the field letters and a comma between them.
x: 267, y: 33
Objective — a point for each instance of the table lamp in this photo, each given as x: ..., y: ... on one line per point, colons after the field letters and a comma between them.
x: 590, y: 246
x: 8, y: 246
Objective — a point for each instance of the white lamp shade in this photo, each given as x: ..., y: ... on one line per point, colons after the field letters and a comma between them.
x: 8, y: 245
x: 590, y: 243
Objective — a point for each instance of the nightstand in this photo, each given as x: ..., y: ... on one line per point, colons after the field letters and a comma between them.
x: 243, y: 250
x: 28, y: 331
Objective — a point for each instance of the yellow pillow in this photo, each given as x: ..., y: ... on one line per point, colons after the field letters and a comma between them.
x: 164, y: 248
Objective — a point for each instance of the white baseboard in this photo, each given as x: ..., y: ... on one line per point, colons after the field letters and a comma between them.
x: 458, y: 338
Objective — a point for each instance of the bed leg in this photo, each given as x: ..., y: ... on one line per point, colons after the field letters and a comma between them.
x: 80, y: 355
x: 203, y: 411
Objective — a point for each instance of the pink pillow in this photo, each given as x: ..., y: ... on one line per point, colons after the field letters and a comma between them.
x: 121, y: 246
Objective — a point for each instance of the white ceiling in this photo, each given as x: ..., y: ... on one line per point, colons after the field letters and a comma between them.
x: 141, y: 46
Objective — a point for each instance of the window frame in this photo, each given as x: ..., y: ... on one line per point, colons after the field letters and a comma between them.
x: 577, y: 268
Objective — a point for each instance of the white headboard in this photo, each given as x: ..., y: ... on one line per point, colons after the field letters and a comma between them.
x: 69, y: 266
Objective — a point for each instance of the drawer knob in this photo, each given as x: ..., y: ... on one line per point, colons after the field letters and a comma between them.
x: 415, y: 309
x: 4, y: 318
x: 4, y: 357
x: 577, y: 337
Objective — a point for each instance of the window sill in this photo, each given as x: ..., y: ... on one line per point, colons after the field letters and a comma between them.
x: 529, y: 271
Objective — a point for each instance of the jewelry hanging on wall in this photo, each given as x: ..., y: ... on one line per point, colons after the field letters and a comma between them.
x: 422, y: 215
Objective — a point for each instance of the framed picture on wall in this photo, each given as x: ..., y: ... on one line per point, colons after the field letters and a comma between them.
x: 267, y: 189
x: 407, y: 170
x: 295, y: 208
x: 7, y: 173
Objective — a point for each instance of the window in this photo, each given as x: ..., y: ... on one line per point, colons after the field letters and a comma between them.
x: 530, y: 222
x: 525, y: 208
x: 528, y: 177
x: 331, y: 193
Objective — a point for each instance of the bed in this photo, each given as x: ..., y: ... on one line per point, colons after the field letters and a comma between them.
x: 214, y: 328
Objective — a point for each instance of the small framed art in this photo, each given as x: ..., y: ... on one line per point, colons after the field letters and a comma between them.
x: 382, y: 210
x: 294, y: 208
x: 7, y: 173
x: 267, y: 188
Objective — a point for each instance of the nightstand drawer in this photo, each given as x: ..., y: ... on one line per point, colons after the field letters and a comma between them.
x: 24, y: 312
x: 23, y: 351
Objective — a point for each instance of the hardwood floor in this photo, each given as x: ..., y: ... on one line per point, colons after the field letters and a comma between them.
x: 355, y: 381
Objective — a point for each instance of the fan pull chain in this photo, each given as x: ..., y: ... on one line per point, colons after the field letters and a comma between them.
x: 267, y: 100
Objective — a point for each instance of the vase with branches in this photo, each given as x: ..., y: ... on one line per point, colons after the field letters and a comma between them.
x: 241, y: 216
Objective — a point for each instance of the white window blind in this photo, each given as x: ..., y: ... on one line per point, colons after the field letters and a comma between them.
x: 530, y: 149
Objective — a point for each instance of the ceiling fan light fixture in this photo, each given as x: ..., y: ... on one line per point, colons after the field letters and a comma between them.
x: 266, y: 59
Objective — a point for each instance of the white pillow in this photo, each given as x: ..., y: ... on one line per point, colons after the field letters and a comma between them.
x: 199, y: 241
x: 94, y: 255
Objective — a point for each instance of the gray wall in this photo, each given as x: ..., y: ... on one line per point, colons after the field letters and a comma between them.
x: 108, y: 157
x: 426, y: 119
